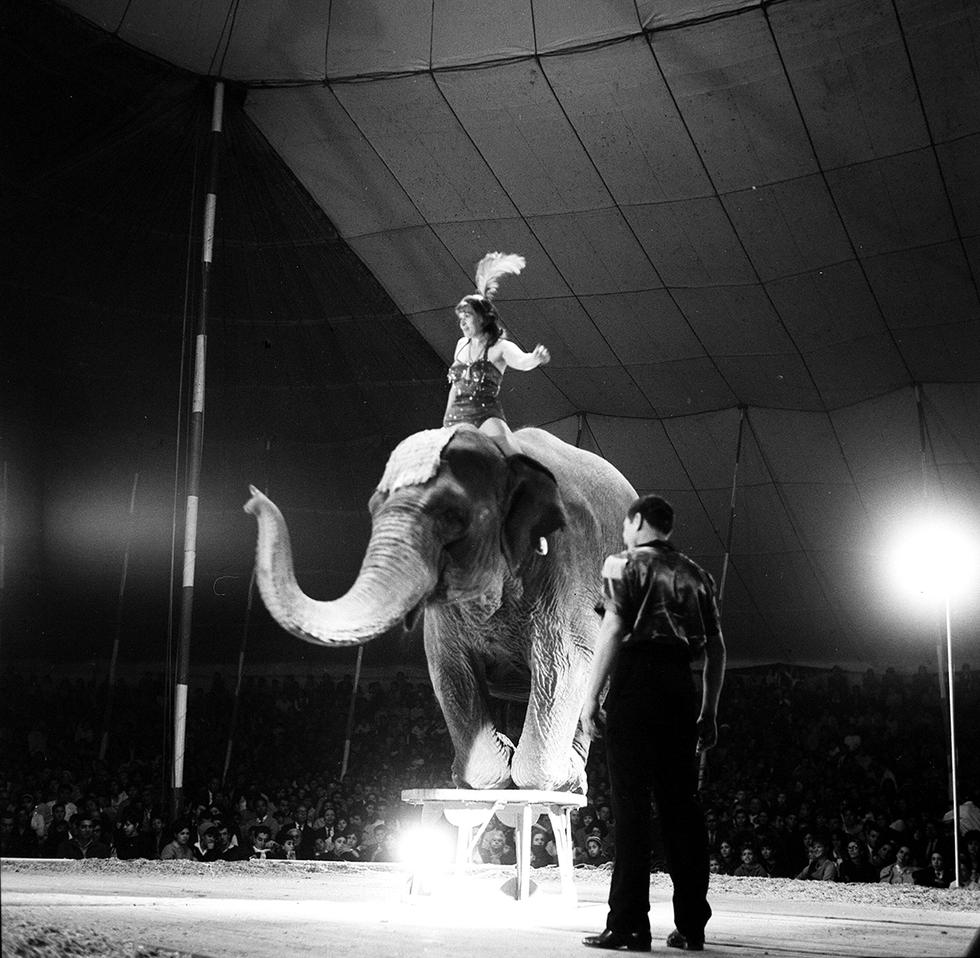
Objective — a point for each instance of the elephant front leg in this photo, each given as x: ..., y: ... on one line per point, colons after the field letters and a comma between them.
x: 553, y: 749
x: 483, y: 754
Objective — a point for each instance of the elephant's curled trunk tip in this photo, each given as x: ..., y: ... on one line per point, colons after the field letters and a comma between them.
x: 256, y: 502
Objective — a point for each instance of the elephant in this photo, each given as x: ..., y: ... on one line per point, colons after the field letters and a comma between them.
x: 456, y: 535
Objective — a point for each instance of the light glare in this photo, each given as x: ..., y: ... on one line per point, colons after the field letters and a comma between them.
x: 425, y: 849
x: 936, y: 557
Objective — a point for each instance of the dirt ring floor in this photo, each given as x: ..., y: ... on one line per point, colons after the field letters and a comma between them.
x: 251, y: 909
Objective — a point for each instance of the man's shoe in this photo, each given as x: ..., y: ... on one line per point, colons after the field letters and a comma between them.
x: 676, y: 940
x: 631, y: 941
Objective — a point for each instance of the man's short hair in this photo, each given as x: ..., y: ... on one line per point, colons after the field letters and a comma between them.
x: 655, y: 511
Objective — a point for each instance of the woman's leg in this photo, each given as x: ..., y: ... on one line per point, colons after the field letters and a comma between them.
x: 500, y: 433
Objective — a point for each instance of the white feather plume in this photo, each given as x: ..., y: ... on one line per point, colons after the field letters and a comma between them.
x: 492, y: 267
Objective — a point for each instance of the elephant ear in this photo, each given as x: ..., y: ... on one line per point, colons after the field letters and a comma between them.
x: 532, y: 508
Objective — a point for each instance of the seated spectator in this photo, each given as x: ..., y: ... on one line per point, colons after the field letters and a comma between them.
x: 594, y: 854
x: 855, y: 867
x: 321, y: 850
x: 229, y: 848
x: 345, y: 848
x: 128, y: 843
x: 154, y: 837
x: 369, y: 841
x: 935, y: 874
x: 494, y: 849
x: 900, y: 872
x: 542, y: 849
x: 713, y: 832
x: 12, y: 844
x: 603, y: 818
x: 57, y: 832
x: 207, y: 849
x: 263, y: 847
x: 764, y: 832
x: 82, y: 842
x: 970, y: 859
x: 820, y: 867
x: 384, y: 846
x: 771, y: 861
x: 742, y: 833
x: 179, y: 848
x: 290, y: 843
x: 726, y: 856
x: 714, y: 865
x: 883, y: 856
x: 260, y: 815
x: 750, y: 868
x: 209, y: 816
x: 587, y: 821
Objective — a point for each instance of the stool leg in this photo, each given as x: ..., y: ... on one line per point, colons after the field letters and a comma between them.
x: 524, y: 853
x: 417, y: 885
x: 561, y: 825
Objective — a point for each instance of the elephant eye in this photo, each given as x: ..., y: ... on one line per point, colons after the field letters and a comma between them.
x: 453, y: 522
x: 454, y: 517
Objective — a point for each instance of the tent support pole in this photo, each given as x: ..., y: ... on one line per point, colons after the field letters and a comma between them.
x: 940, y: 647
x: 117, y: 632
x: 350, y: 712
x: 729, y: 536
x: 233, y: 725
x: 196, y: 455
x: 3, y: 543
x: 731, y: 509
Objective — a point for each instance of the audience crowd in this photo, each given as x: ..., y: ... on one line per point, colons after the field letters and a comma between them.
x: 819, y: 775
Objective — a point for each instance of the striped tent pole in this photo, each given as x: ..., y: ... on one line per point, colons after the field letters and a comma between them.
x: 196, y: 454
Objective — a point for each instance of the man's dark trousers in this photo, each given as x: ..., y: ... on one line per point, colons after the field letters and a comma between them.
x: 651, y: 736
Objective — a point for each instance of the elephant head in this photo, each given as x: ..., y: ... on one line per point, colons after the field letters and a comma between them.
x: 451, y: 519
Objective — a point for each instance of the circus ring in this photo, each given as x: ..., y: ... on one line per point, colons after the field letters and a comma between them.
x: 260, y: 909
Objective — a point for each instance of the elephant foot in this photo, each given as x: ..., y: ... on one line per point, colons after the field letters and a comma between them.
x: 551, y: 777
x: 488, y: 765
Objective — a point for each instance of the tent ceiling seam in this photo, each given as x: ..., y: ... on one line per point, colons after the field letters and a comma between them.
x: 505, y: 192
x: 778, y: 488
x: 629, y: 227
x: 533, y: 54
x: 850, y: 241
x: 935, y: 153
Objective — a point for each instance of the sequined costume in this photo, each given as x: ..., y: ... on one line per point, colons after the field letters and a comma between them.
x: 476, y: 392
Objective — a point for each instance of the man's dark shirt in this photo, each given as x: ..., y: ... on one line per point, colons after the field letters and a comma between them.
x: 663, y: 597
x: 73, y: 849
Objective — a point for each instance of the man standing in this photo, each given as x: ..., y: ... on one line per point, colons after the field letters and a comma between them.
x: 660, y: 615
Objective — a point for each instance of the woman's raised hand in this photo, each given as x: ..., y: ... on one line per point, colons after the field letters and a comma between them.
x: 541, y: 354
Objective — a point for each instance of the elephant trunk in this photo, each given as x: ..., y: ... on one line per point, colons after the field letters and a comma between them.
x: 396, y: 575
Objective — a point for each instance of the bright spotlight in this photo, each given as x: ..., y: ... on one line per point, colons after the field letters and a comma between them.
x: 425, y: 849
x: 937, y: 557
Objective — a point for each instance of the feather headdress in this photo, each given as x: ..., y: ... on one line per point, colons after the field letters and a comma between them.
x: 492, y: 267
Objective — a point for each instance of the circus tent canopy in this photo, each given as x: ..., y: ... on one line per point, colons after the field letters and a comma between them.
x: 740, y: 219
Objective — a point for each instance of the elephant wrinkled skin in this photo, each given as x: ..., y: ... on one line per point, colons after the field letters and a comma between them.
x: 460, y: 546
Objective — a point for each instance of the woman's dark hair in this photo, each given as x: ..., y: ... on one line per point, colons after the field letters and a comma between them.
x: 487, y: 312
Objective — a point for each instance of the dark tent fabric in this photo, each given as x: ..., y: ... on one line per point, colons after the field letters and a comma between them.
x: 739, y: 218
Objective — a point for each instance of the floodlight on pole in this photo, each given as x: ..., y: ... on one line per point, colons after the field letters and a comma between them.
x: 939, y: 557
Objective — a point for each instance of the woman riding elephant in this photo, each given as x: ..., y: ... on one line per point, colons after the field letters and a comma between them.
x: 455, y: 526
x: 484, y: 352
